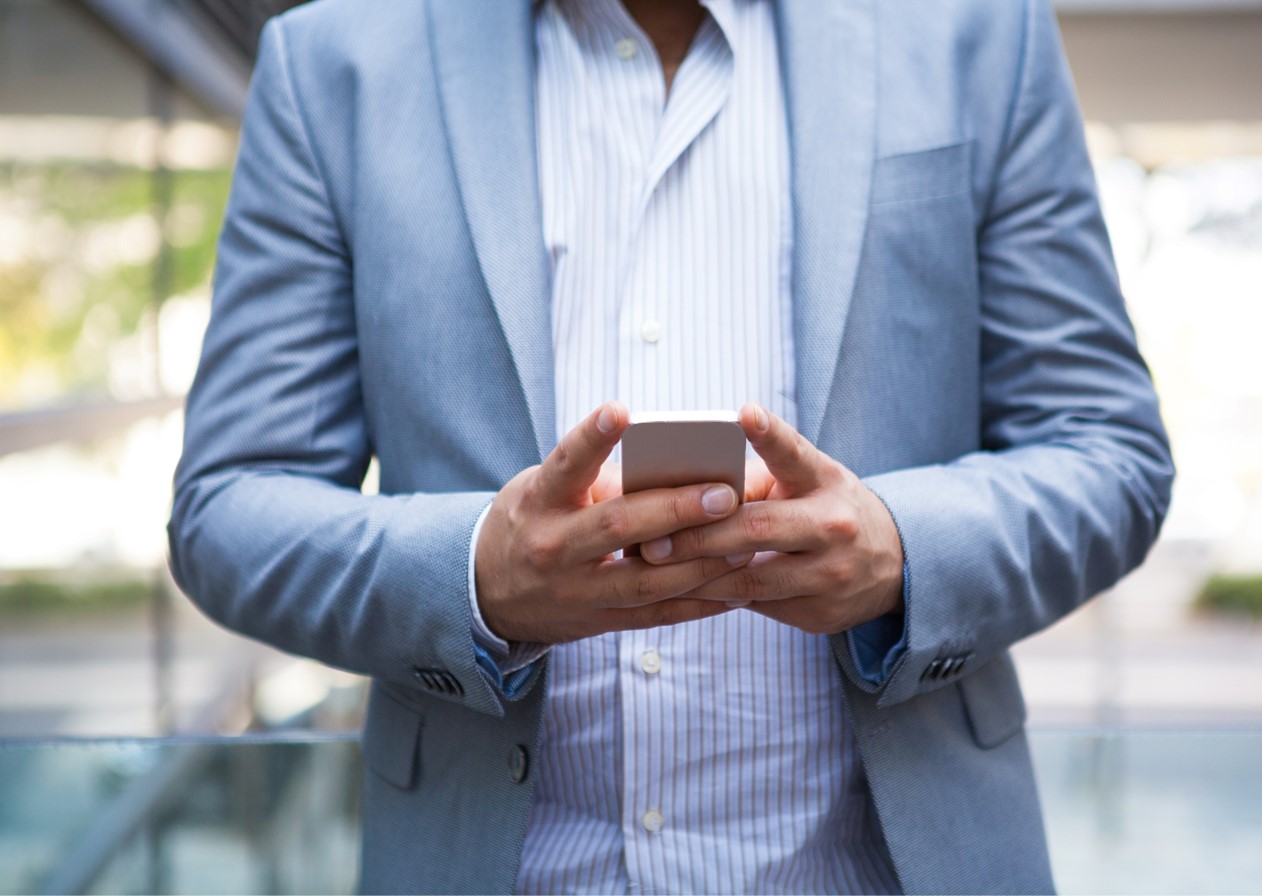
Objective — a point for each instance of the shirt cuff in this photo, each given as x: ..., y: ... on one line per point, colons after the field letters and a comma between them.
x: 877, y: 644
x: 504, y: 662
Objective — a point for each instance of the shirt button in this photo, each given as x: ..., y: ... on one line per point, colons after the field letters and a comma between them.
x: 651, y: 330
x: 651, y: 662
x: 626, y: 48
x: 652, y: 821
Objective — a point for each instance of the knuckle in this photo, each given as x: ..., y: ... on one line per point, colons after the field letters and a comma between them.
x: 786, y: 583
x: 610, y: 592
x: 757, y: 523
x: 686, y: 543
x: 654, y: 615
x: 748, y: 585
x: 646, y: 589
x: 842, y: 528
x: 710, y: 568
x: 542, y: 550
x: 681, y: 508
x: 563, y: 457
x: 832, y: 472
x: 528, y: 483
x: 614, y: 521
x: 842, y: 572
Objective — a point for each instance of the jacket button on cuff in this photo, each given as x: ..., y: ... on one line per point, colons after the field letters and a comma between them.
x: 518, y: 763
x: 932, y: 672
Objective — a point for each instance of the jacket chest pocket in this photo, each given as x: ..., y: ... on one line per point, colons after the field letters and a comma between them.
x: 938, y: 173
x: 920, y: 267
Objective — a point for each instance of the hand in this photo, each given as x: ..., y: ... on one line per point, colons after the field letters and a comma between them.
x: 543, y: 563
x: 828, y: 553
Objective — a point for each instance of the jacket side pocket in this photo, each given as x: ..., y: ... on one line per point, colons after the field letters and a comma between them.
x: 392, y: 734
x: 993, y: 702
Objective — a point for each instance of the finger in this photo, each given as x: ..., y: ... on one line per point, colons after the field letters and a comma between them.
x: 609, y: 483
x: 666, y: 612
x: 758, y: 480
x: 787, y: 526
x: 630, y: 582
x: 768, y: 577
x: 792, y: 460
x: 611, y: 525
x: 574, y: 465
x: 810, y: 614
x: 798, y: 612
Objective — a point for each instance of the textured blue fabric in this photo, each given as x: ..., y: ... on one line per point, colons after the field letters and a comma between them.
x: 512, y: 684
x: 878, y: 645
x: 962, y: 345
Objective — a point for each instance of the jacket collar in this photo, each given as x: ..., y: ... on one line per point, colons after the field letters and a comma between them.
x: 485, y: 65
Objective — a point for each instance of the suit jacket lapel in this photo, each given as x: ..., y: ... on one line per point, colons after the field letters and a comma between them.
x: 485, y: 69
x: 828, y: 52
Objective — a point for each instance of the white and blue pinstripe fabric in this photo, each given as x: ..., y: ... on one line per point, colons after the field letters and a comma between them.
x: 669, y: 229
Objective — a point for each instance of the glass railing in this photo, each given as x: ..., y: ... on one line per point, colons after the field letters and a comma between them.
x: 231, y: 815
x: 1127, y: 812
x: 1153, y: 812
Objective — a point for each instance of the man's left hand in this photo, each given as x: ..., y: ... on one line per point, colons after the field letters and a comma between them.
x: 828, y: 556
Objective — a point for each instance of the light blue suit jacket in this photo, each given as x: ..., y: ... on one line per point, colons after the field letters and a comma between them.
x: 382, y: 289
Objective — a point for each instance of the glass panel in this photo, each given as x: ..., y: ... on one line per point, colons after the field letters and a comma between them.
x: 179, y: 817
x: 1153, y: 813
x: 1126, y: 812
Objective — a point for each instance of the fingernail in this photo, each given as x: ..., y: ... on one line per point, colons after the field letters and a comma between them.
x: 761, y: 420
x: 657, y: 549
x: 608, y: 419
x: 739, y: 559
x: 736, y: 604
x: 719, y: 499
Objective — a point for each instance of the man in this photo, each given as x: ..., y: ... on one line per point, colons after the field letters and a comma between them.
x: 456, y: 229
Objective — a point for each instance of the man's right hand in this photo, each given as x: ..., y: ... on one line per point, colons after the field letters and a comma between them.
x: 544, y: 561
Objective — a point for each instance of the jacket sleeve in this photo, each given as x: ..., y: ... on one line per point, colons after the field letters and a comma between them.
x: 1073, y: 478
x: 270, y: 533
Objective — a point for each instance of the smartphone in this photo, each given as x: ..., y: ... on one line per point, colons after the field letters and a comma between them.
x: 671, y: 449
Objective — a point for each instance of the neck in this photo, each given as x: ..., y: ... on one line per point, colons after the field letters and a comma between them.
x: 671, y: 25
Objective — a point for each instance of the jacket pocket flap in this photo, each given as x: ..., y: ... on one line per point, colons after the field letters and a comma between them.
x: 993, y: 702
x: 926, y: 174
x: 391, y: 742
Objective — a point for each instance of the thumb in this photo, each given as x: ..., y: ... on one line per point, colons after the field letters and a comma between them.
x: 792, y: 460
x: 569, y: 472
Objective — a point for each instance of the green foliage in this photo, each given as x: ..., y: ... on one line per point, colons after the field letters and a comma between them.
x: 1241, y: 595
x: 28, y: 597
x: 85, y: 281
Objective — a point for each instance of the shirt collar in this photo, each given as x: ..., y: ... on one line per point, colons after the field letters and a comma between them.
x: 587, y: 14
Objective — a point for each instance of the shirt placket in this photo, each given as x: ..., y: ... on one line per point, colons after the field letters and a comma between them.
x: 646, y: 355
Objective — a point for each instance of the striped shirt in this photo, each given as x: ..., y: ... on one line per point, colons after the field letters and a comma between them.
x: 713, y: 756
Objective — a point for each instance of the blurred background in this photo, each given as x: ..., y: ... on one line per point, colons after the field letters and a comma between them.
x: 144, y: 750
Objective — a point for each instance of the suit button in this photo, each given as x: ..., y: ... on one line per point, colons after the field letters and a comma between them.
x: 932, y: 671
x: 518, y: 763
x: 438, y: 680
